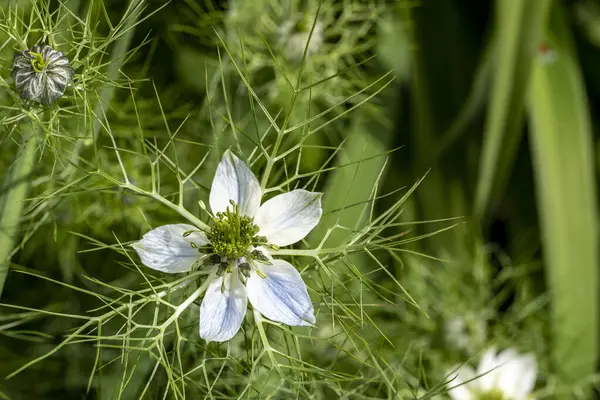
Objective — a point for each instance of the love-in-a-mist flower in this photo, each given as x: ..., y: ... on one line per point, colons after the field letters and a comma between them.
x: 294, y: 37
x: 506, y: 375
x: 465, y: 331
x: 41, y: 74
x: 237, y: 250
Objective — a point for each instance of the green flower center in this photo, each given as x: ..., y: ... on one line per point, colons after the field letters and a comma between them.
x: 37, y: 62
x: 232, y: 234
x: 493, y: 394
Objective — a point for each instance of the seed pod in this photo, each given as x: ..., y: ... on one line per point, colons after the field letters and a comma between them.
x: 41, y: 74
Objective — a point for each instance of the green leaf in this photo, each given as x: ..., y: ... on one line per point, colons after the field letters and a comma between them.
x: 350, y: 187
x: 518, y: 33
x: 14, y: 191
x: 393, y: 46
x: 562, y: 147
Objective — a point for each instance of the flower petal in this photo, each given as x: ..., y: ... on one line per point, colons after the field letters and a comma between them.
x: 234, y: 181
x: 289, y: 217
x: 514, y: 368
x: 165, y: 249
x: 488, y: 370
x: 281, y: 295
x: 223, y: 308
x: 527, y: 376
x: 459, y: 389
x: 30, y: 85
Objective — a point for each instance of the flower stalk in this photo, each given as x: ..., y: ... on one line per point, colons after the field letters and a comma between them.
x: 184, y: 306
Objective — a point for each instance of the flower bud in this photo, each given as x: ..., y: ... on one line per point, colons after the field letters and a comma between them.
x: 41, y: 74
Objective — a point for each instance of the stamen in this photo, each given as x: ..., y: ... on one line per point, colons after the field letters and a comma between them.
x: 260, y: 273
x: 260, y: 239
x: 222, y: 269
x: 234, y: 237
x: 245, y: 269
x: 259, y: 256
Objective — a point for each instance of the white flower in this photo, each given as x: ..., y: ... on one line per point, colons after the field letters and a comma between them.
x: 237, y: 250
x: 465, y: 331
x: 456, y: 333
x: 295, y: 36
x: 41, y: 74
x: 506, y: 375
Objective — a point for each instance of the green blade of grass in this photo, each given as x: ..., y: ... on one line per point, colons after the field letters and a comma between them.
x: 518, y: 32
x: 14, y: 192
x: 562, y: 143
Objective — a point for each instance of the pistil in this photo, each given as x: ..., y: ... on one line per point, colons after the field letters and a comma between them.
x: 37, y: 62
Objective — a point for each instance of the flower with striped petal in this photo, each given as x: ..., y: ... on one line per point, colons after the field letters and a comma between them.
x: 237, y: 249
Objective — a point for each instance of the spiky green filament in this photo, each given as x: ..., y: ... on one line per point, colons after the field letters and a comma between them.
x: 37, y: 62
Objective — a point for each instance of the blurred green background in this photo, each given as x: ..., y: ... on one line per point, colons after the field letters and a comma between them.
x: 490, y: 105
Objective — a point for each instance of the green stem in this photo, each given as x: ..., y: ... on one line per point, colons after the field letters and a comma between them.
x: 16, y: 186
x: 184, y: 306
x: 182, y: 211
x: 106, y: 95
x: 273, y: 158
x: 314, y: 253
x: 94, y: 320
x: 265, y: 341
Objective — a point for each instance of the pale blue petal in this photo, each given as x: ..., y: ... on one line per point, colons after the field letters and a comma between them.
x: 166, y: 249
x: 289, y: 217
x: 223, y: 308
x: 281, y: 295
x: 234, y: 181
